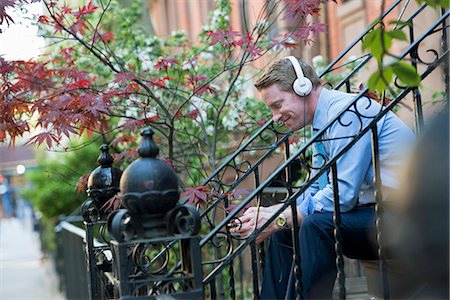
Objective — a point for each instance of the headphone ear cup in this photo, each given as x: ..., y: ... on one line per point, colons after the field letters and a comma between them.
x: 302, y: 88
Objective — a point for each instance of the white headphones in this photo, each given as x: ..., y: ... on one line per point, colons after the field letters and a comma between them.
x: 302, y: 86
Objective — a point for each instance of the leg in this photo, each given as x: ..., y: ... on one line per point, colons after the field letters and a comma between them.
x: 318, y: 257
x: 277, y: 266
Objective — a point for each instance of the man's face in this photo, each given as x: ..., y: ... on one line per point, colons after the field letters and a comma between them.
x: 287, y: 107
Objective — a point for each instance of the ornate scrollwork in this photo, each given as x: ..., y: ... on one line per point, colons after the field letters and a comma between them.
x: 428, y: 63
x: 89, y: 211
x: 221, y: 240
x: 153, y: 259
x: 120, y: 226
x: 184, y: 220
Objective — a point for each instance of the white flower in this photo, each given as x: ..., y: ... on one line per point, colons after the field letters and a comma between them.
x: 229, y: 122
x: 187, y: 65
x: 206, y: 56
x: 317, y: 60
x: 209, y: 130
x: 147, y: 64
x: 122, y: 52
x: 113, y: 85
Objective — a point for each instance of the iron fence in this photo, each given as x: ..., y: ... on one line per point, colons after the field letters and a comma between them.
x: 210, y: 261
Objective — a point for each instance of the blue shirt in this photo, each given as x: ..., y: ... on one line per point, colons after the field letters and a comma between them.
x: 354, y: 168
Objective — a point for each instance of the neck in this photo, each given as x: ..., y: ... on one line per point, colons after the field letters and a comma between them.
x: 312, y: 99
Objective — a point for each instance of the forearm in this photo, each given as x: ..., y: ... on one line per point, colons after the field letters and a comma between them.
x: 288, y: 214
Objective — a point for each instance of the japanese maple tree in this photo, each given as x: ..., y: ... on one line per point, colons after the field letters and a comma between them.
x: 104, y: 76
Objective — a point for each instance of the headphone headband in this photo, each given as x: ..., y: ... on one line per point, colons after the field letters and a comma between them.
x: 297, y: 68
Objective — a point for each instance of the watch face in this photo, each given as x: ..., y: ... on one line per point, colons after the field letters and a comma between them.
x: 281, y: 221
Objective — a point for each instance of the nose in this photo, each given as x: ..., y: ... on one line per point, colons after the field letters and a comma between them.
x: 276, y: 116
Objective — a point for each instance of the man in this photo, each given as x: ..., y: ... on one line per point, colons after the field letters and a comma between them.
x: 292, y: 90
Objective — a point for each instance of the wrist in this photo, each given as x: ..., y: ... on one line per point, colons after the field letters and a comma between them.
x: 289, y: 217
x: 281, y: 221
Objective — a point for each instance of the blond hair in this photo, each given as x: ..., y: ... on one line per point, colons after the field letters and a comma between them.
x: 282, y: 74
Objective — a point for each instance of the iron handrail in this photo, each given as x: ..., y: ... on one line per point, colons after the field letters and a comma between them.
x: 307, y: 184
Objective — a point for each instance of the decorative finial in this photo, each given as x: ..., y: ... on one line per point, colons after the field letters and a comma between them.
x: 148, y: 148
x: 105, y: 159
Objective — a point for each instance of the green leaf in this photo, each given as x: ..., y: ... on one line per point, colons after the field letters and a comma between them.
x: 380, y: 79
x: 445, y: 4
x: 400, y: 23
x: 397, y: 34
x: 436, y: 3
x: 406, y: 73
x: 369, y: 39
x: 377, y: 48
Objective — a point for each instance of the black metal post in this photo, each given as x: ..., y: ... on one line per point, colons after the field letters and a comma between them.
x: 337, y: 234
x: 155, y: 242
x: 103, y: 184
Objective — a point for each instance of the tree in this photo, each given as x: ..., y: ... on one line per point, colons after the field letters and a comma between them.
x: 104, y: 75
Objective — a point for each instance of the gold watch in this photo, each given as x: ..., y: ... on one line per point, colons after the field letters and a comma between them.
x: 281, y: 221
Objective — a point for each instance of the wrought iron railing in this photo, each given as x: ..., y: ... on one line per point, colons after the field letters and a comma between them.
x: 231, y: 246
x: 225, y: 257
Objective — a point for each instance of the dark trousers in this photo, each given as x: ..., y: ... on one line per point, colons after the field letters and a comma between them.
x: 317, y: 254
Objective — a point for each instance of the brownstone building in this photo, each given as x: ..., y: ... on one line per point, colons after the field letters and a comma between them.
x: 345, y: 21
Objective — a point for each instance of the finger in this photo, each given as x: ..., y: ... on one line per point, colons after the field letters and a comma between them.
x: 247, y: 217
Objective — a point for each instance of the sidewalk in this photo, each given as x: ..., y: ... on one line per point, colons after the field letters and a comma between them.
x: 24, y: 273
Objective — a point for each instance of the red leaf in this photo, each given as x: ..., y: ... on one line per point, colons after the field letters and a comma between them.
x: 160, y: 82
x: 215, y: 36
x: 82, y: 183
x: 106, y: 36
x: 112, y: 204
x: 85, y: 10
x: 5, y: 4
x: 204, y: 89
x: 123, y: 78
x: 66, y: 10
x: 42, y: 137
x: 44, y: 19
x: 197, y: 195
x: 79, y: 26
x: 127, y: 155
x: 195, y: 79
x: 83, y: 83
x: 193, y: 114
x: 165, y: 63
x: 226, y: 38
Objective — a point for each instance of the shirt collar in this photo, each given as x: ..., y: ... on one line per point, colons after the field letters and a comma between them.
x: 320, y: 115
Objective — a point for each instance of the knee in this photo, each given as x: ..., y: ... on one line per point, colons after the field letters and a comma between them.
x: 282, y: 237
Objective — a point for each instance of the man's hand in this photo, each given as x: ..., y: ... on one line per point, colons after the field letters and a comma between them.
x: 254, y: 218
x: 246, y: 224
